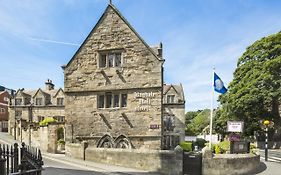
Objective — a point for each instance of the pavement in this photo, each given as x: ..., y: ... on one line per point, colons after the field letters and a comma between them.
x: 79, y: 165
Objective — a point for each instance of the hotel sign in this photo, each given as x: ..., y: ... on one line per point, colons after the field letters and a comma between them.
x: 144, y: 101
x: 235, y: 126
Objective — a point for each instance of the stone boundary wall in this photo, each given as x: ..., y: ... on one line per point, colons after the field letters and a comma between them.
x: 230, y: 164
x: 44, y: 137
x: 163, y: 161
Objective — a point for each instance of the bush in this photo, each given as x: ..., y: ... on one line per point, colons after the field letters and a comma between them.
x: 200, y: 142
x: 217, y: 149
x: 61, y: 142
x: 224, y: 146
x: 186, y: 146
x: 221, y: 147
x: 253, y: 148
x: 46, y: 121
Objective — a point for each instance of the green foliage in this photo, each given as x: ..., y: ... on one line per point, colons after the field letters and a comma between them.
x: 200, y: 142
x: 60, y: 133
x: 253, y: 148
x: 221, y: 147
x: 186, y: 146
x: 254, y: 93
x: 61, y: 142
x: 224, y: 145
x: 197, y: 123
x: 217, y: 149
x: 46, y: 121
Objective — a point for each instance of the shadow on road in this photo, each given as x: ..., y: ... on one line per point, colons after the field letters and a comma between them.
x: 64, y: 171
x: 262, y: 167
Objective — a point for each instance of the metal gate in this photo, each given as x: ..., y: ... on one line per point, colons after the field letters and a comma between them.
x: 192, y: 163
x: 20, y: 161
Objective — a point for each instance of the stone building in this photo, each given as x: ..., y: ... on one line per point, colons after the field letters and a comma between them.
x: 29, y: 107
x: 174, y: 115
x: 114, y: 91
x: 4, y: 114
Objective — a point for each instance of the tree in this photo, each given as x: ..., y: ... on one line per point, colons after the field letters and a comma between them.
x: 255, y: 92
x: 196, y: 125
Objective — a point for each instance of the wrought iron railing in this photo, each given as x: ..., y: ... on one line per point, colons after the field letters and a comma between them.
x: 15, y: 161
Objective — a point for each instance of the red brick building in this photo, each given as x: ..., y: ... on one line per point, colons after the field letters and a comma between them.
x: 4, y: 114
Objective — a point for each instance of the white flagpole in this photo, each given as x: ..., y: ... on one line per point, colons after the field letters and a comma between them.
x: 211, y: 117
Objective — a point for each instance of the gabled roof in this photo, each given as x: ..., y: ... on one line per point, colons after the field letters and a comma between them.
x: 57, y: 92
x: 22, y: 92
x: 5, y: 92
x: 178, y: 89
x: 40, y: 90
x: 111, y: 6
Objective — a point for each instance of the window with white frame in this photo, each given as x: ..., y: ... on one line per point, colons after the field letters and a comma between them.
x: 112, y: 100
x: 110, y: 59
x: 6, y: 99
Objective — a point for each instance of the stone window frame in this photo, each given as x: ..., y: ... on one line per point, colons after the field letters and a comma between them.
x: 60, y: 101
x: 103, y: 98
x: 27, y: 100
x: 59, y: 118
x: 18, y: 113
x: 106, y: 54
x: 169, y: 122
x: 171, y: 98
x: 39, y: 101
x: 18, y: 101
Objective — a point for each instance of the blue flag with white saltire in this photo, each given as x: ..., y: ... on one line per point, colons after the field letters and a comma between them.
x: 218, y: 84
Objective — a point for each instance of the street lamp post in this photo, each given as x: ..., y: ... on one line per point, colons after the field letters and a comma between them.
x: 266, y: 123
x: 30, y: 121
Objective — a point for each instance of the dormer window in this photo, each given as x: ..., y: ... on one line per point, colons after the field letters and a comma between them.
x: 110, y: 59
x: 38, y: 101
x: 170, y: 98
x: 60, y: 101
x: 27, y: 101
x: 18, y: 101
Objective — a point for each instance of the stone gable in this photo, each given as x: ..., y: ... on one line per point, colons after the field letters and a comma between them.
x: 91, y: 76
x: 140, y: 66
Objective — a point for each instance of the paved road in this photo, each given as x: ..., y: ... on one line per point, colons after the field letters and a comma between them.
x: 274, y: 155
x: 54, y: 167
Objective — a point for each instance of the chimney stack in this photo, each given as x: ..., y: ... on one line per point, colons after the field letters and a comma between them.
x: 160, y: 50
x: 49, y: 85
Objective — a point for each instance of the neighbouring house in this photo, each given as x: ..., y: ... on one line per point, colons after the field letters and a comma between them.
x: 29, y: 107
x: 115, y: 96
x: 174, y: 115
x: 4, y: 113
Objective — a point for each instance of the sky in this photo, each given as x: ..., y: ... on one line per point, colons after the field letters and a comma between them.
x: 38, y: 37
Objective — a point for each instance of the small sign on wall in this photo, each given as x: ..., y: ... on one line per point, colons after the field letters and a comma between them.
x: 235, y: 126
x: 154, y: 126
